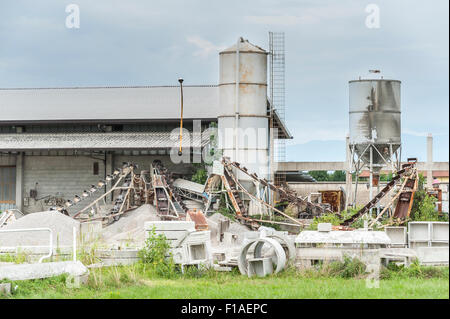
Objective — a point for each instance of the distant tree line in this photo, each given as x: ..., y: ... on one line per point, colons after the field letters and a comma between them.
x: 339, y: 176
x: 325, y: 176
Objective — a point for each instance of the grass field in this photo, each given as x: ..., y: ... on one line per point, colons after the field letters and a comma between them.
x: 136, y: 282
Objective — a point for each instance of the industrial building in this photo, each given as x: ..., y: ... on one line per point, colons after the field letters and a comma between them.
x: 54, y: 142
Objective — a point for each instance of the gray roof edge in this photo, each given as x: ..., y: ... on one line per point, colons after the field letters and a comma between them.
x: 109, y: 87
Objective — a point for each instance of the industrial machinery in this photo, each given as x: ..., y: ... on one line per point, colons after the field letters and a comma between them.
x: 404, y: 196
x: 375, y: 129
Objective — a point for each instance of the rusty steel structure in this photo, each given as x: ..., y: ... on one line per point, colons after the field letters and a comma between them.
x: 234, y: 188
x: 167, y: 200
x: 132, y: 190
x: 405, y: 194
x: 335, y: 198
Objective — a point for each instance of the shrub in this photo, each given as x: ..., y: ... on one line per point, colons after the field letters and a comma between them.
x: 415, y: 270
x: 325, y: 218
x: 200, y: 176
x: 348, y: 268
x: 156, y: 254
x: 424, y: 208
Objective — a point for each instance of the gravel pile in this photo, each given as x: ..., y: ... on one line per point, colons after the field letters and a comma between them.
x: 130, y: 227
x: 61, y: 225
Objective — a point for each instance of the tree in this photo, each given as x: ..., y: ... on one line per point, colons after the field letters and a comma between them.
x: 320, y: 176
x: 338, y: 176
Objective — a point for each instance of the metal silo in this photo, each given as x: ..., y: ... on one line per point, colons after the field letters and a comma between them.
x: 243, y: 123
x: 374, y: 125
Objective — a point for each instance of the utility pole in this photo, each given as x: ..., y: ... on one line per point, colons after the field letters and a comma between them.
x: 181, y: 117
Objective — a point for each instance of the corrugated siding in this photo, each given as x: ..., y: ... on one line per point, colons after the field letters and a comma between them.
x: 150, y: 140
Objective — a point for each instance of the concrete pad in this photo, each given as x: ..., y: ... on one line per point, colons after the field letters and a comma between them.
x: 336, y: 237
x: 42, y: 270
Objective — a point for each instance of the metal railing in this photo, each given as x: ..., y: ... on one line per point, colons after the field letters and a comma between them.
x: 35, y: 229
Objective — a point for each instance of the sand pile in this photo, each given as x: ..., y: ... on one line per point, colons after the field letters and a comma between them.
x: 130, y: 227
x: 61, y: 225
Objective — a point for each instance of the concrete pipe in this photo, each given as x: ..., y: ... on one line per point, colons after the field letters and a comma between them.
x: 279, y: 252
x: 286, y: 243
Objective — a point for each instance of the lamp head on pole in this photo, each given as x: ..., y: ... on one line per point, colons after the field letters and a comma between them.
x: 180, y: 80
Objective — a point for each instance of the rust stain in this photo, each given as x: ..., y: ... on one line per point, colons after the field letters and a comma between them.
x: 246, y: 74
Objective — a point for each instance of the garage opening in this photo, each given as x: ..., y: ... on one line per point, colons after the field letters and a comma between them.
x: 7, y: 187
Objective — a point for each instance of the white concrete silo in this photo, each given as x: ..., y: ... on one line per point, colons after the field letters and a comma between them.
x: 243, y: 123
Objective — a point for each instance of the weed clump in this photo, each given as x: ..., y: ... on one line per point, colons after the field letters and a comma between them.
x: 347, y: 268
x: 157, y: 256
x: 415, y: 270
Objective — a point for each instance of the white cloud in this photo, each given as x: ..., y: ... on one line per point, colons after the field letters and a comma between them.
x: 205, y: 47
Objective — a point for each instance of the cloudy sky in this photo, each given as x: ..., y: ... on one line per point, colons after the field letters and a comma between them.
x: 327, y: 44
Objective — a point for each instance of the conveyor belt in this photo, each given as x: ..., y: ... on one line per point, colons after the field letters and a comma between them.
x: 406, y: 171
x: 316, y: 209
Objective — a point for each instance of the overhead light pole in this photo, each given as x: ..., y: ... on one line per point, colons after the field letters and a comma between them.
x: 181, y: 117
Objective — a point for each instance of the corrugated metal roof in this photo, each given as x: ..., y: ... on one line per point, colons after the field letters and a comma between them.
x: 149, y: 140
x: 108, y: 103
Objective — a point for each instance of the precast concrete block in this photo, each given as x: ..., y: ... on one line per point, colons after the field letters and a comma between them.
x: 398, y: 236
x: 260, y: 267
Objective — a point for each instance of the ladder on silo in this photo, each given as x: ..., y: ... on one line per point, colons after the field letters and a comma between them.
x: 277, y: 85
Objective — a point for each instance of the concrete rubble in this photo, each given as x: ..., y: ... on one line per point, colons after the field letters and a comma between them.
x: 188, y: 246
x: 226, y: 244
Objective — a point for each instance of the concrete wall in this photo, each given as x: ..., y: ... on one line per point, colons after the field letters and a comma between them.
x: 304, y: 189
x: 64, y: 176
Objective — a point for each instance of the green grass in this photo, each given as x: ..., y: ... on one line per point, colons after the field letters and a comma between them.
x: 137, y: 282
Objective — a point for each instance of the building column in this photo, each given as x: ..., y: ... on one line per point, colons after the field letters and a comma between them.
x: 19, y: 181
x: 429, y: 161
